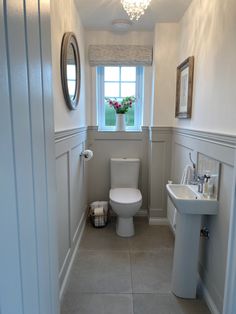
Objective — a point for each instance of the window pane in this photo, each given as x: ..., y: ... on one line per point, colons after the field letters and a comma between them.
x: 111, y: 74
x: 71, y: 88
x: 127, y: 89
x: 110, y: 116
x: 128, y: 74
x: 71, y: 71
x: 129, y: 117
x: 111, y: 90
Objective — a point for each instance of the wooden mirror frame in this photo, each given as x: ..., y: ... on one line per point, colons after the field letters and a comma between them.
x: 70, y: 39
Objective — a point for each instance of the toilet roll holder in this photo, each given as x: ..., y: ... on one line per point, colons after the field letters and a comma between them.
x: 87, y: 154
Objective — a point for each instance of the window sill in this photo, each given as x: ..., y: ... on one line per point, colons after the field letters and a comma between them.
x: 126, y: 131
x: 136, y: 135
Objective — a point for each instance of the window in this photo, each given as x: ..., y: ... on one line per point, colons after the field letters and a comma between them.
x: 118, y: 82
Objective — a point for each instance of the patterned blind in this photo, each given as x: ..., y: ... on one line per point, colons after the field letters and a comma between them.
x: 131, y: 55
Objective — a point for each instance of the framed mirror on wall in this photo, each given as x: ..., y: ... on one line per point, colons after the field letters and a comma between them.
x: 70, y: 70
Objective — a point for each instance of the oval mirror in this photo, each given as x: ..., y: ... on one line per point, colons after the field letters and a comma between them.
x: 70, y: 70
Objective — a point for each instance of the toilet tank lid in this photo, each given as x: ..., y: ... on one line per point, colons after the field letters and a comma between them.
x: 126, y: 159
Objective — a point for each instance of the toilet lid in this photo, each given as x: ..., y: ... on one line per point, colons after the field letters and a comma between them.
x: 125, y: 195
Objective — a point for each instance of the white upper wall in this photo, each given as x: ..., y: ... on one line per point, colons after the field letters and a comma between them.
x: 118, y: 38
x: 65, y: 18
x: 207, y: 31
x: 115, y: 38
x: 166, y: 44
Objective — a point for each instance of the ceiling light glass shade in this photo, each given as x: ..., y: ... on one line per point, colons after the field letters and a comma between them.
x: 135, y: 8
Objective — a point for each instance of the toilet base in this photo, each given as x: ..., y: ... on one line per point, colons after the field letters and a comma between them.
x: 125, y: 227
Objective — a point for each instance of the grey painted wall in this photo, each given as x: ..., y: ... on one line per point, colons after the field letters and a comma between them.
x: 159, y: 170
x: 71, y: 181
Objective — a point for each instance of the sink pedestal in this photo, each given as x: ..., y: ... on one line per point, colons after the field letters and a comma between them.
x: 190, y: 206
x: 185, y: 267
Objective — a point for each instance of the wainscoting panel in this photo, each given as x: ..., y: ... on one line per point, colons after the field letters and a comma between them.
x: 77, y: 191
x: 159, y: 170
x: 71, y: 195
x: 63, y: 216
x: 180, y: 158
x: 213, y: 251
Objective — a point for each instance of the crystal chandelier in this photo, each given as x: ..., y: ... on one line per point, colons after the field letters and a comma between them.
x: 135, y: 8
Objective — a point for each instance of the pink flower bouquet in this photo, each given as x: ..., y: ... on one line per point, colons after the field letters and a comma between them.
x: 123, y: 106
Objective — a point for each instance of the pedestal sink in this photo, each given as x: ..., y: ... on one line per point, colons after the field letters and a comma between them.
x: 190, y: 206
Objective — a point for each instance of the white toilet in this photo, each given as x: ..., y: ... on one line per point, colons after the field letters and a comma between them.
x: 125, y: 198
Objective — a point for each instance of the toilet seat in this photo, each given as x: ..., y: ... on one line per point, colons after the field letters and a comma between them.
x: 125, y: 196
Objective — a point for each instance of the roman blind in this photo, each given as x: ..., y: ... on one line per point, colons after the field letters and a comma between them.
x: 131, y: 55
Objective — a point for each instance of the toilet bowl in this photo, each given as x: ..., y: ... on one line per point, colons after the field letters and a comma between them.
x: 125, y: 197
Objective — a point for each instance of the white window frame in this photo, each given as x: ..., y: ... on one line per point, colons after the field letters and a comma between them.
x: 138, y: 112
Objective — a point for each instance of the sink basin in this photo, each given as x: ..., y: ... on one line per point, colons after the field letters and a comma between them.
x: 188, y: 201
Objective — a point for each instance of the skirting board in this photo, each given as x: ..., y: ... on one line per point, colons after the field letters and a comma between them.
x: 171, y: 228
x: 65, y: 281
x: 142, y: 213
x: 158, y: 221
x: 206, y: 296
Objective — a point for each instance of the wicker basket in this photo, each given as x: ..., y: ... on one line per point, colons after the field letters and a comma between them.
x: 99, y: 221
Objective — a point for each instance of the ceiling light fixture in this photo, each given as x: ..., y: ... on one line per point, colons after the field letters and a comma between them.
x: 135, y: 8
x: 121, y: 25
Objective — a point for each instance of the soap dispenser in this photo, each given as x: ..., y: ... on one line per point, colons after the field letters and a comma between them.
x: 210, y: 188
x: 206, y: 184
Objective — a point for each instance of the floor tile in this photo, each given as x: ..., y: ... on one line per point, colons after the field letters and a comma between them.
x: 150, y: 238
x: 154, y: 304
x: 103, y: 239
x: 108, y: 269
x: 167, y: 304
x: 97, y: 304
x: 151, y: 271
x: 159, y: 238
x: 185, y: 306
x: 101, y: 272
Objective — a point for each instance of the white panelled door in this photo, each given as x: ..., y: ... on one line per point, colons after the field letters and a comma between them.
x: 28, y: 257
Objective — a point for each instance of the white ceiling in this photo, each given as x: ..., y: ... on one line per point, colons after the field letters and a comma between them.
x: 98, y: 14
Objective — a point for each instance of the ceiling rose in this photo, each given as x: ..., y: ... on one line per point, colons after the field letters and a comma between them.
x: 135, y: 8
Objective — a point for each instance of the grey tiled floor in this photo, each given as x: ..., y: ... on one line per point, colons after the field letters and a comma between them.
x: 113, y: 275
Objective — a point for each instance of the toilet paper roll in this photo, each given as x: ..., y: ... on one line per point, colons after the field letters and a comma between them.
x: 88, y: 154
x: 98, y: 211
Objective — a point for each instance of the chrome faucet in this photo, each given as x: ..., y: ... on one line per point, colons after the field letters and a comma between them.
x: 195, y: 176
